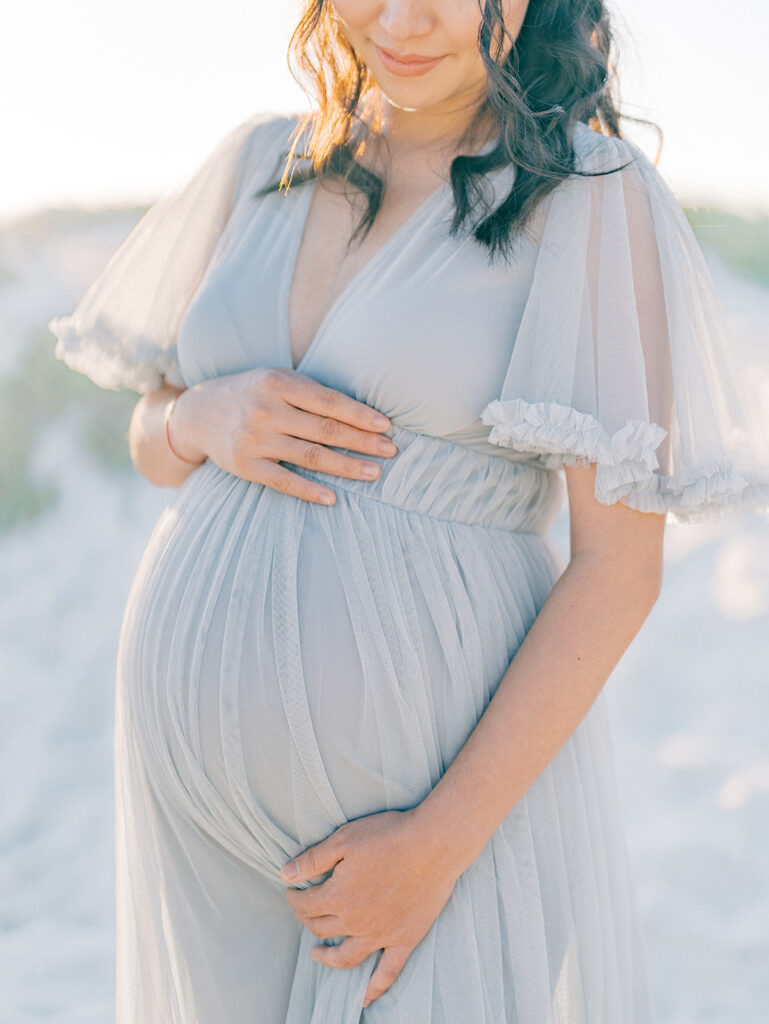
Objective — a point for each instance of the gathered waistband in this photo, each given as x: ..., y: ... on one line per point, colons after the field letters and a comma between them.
x: 451, y: 481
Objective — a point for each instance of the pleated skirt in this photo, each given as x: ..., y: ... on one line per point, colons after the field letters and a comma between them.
x: 285, y: 667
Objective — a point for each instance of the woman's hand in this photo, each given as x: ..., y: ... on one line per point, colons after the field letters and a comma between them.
x: 249, y: 422
x: 388, y: 885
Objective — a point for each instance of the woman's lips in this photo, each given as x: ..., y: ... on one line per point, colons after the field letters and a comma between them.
x: 406, y: 68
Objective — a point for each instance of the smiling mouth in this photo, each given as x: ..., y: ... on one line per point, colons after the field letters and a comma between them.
x: 409, y: 58
x: 407, y: 67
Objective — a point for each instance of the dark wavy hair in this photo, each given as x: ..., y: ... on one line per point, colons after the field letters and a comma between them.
x: 558, y: 71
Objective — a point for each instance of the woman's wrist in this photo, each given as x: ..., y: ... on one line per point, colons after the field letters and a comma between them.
x: 180, y: 422
x: 437, y: 828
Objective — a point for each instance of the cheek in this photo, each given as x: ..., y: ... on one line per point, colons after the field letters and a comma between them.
x: 354, y: 16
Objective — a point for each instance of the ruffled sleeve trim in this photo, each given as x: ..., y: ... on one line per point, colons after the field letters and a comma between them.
x: 622, y: 355
x: 103, y: 356
x: 626, y: 461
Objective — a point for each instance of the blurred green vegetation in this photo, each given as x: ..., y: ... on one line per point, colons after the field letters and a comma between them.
x: 742, y: 242
x: 39, y: 390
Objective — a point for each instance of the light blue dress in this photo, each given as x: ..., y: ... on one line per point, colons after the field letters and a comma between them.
x: 285, y: 667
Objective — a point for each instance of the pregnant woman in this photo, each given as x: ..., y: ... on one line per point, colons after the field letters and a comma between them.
x: 398, y: 693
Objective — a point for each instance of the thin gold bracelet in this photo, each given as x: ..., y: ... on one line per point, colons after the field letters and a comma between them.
x: 169, y: 409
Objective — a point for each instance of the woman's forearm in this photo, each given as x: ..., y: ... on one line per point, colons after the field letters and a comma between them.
x: 587, y: 622
x: 147, y: 442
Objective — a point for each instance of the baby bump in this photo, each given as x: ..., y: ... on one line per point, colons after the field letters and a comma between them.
x: 297, y: 666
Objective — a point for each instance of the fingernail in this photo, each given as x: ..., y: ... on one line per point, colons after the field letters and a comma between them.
x: 369, y: 469
x: 289, y: 871
x: 380, y: 420
x: 366, y: 1002
x: 387, y: 447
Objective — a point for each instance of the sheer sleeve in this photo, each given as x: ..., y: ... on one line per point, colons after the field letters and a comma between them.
x: 122, y: 333
x: 623, y: 356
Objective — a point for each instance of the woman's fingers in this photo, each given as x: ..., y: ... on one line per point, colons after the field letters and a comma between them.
x: 353, y: 950
x: 278, y: 478
x: 391, y: 963
x: 255, y: 420
x: 312, y: 455
x: 329, y: 431
x: 306, y: 393
x: 349, y: 953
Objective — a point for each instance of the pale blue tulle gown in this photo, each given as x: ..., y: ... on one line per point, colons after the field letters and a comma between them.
x: 285, y: 667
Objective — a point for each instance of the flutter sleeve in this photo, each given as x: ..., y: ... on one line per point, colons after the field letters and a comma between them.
x: 122, y: 333
x: 623, y: 356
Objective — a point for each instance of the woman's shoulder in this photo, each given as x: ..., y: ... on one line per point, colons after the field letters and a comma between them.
x: 267, y: 136
x: 268, y: 128
x: 612, y: 170
x: 248, y: 144
x: 594, y: 151
x: 271, y: 121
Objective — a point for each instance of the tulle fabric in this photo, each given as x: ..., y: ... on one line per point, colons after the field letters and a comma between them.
x: 623, y: 357
x: 123, y: 331
x: 284, y: 668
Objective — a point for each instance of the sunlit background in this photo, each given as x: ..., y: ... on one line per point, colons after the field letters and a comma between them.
x: 102, y: 108
x: 110, y: 102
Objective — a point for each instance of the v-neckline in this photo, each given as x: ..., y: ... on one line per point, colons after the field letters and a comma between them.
x: 302, y: 212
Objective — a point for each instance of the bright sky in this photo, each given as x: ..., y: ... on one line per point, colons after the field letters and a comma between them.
x: 103, y: 102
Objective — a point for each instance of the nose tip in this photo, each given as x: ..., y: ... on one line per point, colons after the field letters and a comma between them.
x: 402, y: 24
